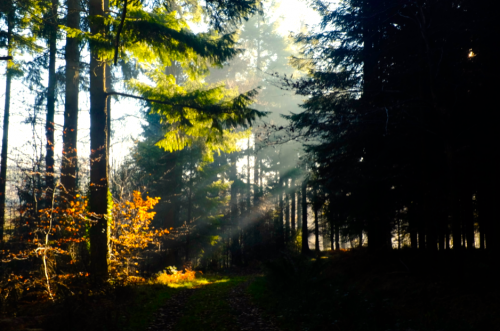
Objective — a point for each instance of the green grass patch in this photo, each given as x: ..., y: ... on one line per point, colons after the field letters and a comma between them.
x: 208, y: 309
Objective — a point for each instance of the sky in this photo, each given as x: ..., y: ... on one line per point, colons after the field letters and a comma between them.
x: 292, y: 13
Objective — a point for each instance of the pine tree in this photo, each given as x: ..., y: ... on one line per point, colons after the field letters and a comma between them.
x: 159, y: 37
x: 70, y: 129
x: 17, y: 17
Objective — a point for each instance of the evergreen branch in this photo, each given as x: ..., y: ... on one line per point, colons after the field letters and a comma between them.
x: 119, y: 31
x: 237, y: 101
x: 162, y: 102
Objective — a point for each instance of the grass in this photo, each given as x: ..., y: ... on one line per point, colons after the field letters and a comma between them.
x: 132, y: 307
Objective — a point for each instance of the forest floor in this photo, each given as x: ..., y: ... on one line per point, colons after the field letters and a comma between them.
x: 356, y: 290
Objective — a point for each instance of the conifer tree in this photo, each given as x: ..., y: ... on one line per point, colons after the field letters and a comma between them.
x: 70, y: 129
x: 50, y: 33
x: 17, y: 16
x: 160, y: 36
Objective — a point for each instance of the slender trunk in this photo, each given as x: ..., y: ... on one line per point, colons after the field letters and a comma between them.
x: 332, y: 227
x: 337, y: 232
x: 256, y: 177
x: 292, y: 198
x: 299, y: 209
x: 305, y: 232
x: 98, y: 200
x: 287, y: 213
x: 6, y: 116
x: 279, y: 223
x: 70, y: 136
x: 51, y: 100
x: 235, y: 243
x: 109, y: 87
x: 249, y: 185
x: 447, y: 237
x: 481, y: 237
x: 453, y: 205
x: 188, y: 221
x: 316, y: 231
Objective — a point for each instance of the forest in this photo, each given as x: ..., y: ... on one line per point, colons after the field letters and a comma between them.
x: 248, y: 165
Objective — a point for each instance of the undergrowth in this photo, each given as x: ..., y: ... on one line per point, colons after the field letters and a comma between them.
x: 314, y: 294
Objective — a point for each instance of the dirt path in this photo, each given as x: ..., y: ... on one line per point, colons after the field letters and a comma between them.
x: 167, y: 316
x: 250, y: 317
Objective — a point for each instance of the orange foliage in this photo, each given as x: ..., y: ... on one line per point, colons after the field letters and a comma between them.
x: 176, y: 277
x: 131, y: 232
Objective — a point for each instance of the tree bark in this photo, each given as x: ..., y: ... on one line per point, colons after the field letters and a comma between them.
x: 6, y: 117
x: 279, y: 224
x: 98, y: 200
x: 287, y: 212
x: 305, y: 232
x: 256, y: 177
x: 235, y: 243
x: 468, y: 222
x: 337, y: 232
x: 316, y: 231
x: 51, y: 101
x: 292, y: 214
x: 189, y: 208
x: 70, y: 129
x: 299, y: 209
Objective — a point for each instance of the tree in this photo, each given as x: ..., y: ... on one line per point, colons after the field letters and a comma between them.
x: 190, y: 114
x: 70, y: 129
x: 14, y: 14
x: 50, y: 33
x: 384, y: 119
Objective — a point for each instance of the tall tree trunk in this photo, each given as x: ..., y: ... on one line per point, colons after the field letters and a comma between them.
x: 249, y: 185
x: 305, y: 231
x: 337, y: 232
x: 279, y: 224
x: 331, y: 221
x: 453, y: 205
x: 70, y: 130
x: 189, y: 208
x: 51, y: 99
x: 235, y: 243
x: 292, y: 198
x: 6, y: 116
x: 299, y: 209
x: 316, y: 231
x: 287, y: 212
x: 256, y: 176
x: 98, y: 200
